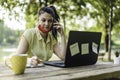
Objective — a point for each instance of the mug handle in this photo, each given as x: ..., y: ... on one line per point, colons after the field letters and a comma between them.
x: 7, y: 63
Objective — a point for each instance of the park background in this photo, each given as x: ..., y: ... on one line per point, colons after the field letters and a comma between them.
x: 84, y: 15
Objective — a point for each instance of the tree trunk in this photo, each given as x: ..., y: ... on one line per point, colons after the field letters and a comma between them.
x: 110, y: 28
x: 106, y: 57
x: 106, y: 38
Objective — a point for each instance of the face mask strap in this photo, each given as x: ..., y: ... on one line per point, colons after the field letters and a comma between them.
x: 42, y: 29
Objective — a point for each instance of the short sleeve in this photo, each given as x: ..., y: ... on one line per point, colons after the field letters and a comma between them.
x: 28, y: 35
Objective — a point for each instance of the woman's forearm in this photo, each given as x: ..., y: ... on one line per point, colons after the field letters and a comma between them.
x: 63, y: 46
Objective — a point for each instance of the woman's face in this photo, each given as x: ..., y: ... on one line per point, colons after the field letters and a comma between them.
x: 46, y: 21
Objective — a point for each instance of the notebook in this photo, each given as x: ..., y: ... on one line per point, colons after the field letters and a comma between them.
x: 82, y: 49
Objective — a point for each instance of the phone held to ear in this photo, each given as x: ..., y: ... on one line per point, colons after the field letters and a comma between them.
x: 54, y: 30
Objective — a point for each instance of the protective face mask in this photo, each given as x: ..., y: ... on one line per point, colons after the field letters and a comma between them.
x: 42, y: 29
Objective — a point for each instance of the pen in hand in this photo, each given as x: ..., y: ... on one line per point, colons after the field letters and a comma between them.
x: 35, y: 62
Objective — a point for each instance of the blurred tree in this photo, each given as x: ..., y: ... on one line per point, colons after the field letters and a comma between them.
x: 1, y: 31
x: 7, y: 36
x: 108, y: 12
x: 31, y: 13
x: 70, y: 11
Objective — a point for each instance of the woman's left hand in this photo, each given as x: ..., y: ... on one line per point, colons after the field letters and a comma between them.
x: 59, y: 27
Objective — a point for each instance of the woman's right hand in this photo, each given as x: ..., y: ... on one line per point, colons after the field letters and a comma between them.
x: 34, y: 61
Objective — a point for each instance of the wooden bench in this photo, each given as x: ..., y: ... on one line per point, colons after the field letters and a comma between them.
x: 91, y: 72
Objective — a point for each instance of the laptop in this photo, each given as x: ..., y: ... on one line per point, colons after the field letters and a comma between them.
x: 82, y: 49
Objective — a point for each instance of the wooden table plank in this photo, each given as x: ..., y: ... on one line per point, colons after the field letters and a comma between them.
x: 91, y: 72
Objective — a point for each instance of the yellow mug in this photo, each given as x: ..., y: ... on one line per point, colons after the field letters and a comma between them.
x: 17, y: 63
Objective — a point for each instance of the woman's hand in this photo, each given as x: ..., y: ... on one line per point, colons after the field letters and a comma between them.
x: 34, y: 61
x: 59, y: 27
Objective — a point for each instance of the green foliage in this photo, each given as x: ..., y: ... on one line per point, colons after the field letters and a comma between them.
x: 1, y: 30
x: 7, y: 36
x: 70, y: 11
x: 31, y: 13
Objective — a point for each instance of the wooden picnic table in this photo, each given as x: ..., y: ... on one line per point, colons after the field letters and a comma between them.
x: 91, y: 72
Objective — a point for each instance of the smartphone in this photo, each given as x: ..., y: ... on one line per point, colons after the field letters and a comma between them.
x: 54, y: 30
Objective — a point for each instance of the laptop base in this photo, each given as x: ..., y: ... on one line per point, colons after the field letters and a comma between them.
x: 55, y: 63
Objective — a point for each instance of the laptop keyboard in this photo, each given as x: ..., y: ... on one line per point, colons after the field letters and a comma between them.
x: 55, y: 63
x: 58, y: 62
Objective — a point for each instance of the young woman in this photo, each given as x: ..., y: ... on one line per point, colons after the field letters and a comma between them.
x: 42, y: 41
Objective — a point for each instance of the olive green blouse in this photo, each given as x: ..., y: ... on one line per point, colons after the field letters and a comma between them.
x: 37, y: 46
